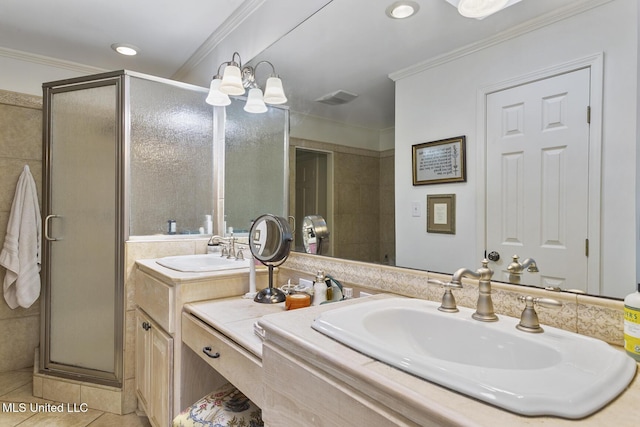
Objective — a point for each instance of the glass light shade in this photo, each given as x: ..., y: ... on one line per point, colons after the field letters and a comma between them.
x: 480, y: 8
x: 216, y: 97
x: 402, y: 11
x: 125, y: 49
x: 232, y: 81
x: 255, y: 103
x: 273, y: 92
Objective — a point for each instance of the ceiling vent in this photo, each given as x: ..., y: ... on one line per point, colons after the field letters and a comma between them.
x: 337, y: 98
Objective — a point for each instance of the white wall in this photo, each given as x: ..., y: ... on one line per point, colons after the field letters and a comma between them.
x: 440, y: 102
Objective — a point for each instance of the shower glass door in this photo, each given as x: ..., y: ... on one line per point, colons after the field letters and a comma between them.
x: 82, y: 245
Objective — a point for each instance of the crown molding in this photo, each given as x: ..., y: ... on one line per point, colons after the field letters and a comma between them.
x: 222, y: 32
x: 533, y: 24
x: 49, y: 62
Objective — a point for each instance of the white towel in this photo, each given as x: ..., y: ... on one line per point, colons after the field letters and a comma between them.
x: 20, y: 253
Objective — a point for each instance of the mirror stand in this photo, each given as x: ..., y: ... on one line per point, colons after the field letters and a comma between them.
x: 270, y: 243
x: 270, y: 295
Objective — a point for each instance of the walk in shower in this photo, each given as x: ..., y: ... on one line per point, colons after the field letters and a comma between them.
x: 126, y: 154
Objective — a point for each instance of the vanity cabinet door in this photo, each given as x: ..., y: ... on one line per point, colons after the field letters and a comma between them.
x: 154, y: 370
x: 161, y: 370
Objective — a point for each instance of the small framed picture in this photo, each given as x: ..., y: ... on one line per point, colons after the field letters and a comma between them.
x: 439, y: 161
x: 441, y: 213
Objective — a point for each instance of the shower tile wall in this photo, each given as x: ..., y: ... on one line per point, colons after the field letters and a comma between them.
x: 357, y: 206
x: 20, y: 144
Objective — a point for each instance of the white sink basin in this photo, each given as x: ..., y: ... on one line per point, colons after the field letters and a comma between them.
x: 202, y: 263
x: 554, y: 373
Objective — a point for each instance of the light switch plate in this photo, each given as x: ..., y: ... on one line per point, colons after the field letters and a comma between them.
x: 415, y: 209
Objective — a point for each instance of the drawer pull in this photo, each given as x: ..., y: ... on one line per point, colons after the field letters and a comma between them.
x: 208, y: 350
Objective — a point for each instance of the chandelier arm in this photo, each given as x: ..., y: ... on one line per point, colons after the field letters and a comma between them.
x: 249, y: 74
x: 239, y: 63
x: 219, y: 73
x: 273, y: 69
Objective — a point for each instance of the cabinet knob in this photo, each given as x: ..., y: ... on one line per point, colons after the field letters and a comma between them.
x: 146, y: 326
x: 208, y: 352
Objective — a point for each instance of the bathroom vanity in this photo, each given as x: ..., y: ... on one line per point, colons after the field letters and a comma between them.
x: 201, y: 331
x: 160, y: 294
x: 306, y: 378
x: 350, y: 388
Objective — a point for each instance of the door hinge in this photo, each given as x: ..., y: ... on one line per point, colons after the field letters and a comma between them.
x: 586, y: 247
x: 589, y: 114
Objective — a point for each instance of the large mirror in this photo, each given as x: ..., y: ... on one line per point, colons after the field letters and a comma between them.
x: 427, y: 78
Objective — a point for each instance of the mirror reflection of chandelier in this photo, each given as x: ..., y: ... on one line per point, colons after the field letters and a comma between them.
x: 480, y: 9
x: 236, y: 79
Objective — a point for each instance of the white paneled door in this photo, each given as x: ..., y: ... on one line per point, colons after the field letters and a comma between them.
x: 537, y: 178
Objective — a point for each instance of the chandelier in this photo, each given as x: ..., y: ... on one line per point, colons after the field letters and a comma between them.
x: 236, y: 79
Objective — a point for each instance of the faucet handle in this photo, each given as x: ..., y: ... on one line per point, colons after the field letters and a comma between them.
x: 446, y: 285
x: 448, y: 304
x: 529, y: 318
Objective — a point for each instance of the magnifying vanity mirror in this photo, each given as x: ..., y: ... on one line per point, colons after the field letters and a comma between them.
x: 315, y: 235
x: 270, y: 242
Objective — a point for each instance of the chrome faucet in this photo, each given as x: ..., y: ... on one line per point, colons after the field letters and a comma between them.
x: 484, y: 309
x: 517, y: 267
x: 230, y: 250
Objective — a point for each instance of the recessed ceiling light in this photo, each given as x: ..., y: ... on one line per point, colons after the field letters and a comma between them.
x: 125, y: 49
x: 402, y: 9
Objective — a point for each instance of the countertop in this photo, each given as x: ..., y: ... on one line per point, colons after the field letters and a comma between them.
x: 293, y: 329
x: 235, y: 317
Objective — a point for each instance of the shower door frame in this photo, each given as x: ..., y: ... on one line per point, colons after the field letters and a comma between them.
x: 46, y: 365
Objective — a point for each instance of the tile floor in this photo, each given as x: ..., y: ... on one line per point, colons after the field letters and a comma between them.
x: 15, y: 408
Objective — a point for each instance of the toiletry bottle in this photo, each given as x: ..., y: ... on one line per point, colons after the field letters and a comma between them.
x: 632, y: 324
x: 208, y: 224
x: 319, y: 288
x: 252, y: 278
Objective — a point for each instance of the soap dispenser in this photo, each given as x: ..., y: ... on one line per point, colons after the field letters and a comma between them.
x: 319, y: 288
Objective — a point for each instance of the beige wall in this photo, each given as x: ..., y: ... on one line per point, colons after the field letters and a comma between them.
x: 363, y: 227
x: 20, y: 144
